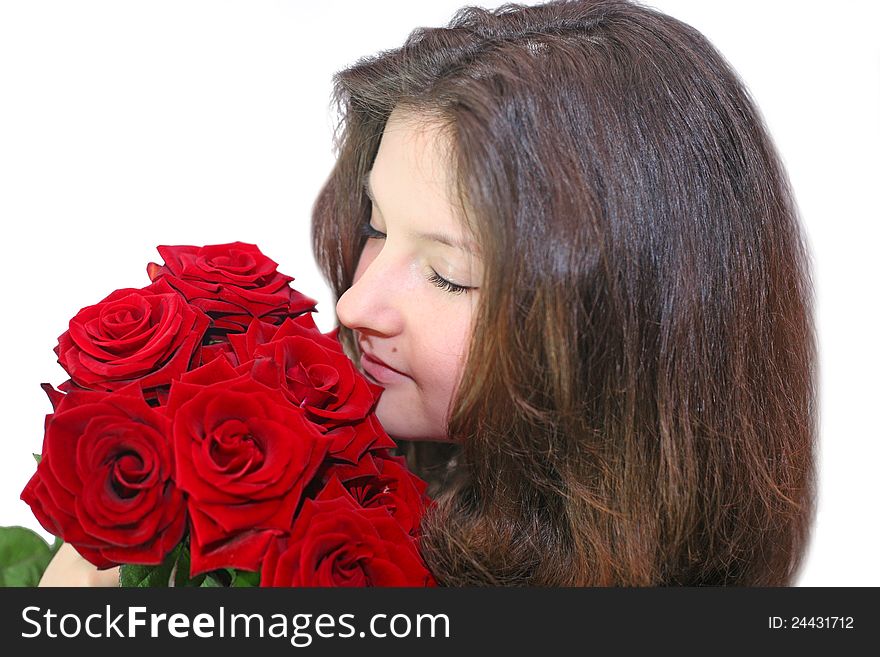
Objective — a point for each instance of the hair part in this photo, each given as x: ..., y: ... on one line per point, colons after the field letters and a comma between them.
x: 638, y: 401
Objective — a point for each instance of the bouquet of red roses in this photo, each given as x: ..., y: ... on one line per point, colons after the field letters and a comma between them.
x: 211, y: 435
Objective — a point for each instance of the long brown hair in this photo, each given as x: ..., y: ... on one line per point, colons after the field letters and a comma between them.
x: 638, y: 402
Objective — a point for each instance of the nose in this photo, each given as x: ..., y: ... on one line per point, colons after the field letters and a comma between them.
x: 370, y: 306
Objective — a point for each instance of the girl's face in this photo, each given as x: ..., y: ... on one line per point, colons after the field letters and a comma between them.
x: 411, y: 303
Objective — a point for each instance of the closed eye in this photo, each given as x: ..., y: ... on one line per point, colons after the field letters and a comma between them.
x: 449, y: 286
x: 367, y: 231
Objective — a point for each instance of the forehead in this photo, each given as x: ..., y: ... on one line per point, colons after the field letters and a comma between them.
x: 414, y: 151
x: 412, y: 182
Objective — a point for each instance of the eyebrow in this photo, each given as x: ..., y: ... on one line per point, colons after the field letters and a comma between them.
x: 443, y: 238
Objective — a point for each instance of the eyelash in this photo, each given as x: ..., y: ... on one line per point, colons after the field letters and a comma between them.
x: 449, y: 286
x: 369, y: 232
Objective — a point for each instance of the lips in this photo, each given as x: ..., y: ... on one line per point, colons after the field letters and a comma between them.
x: 378, y: 369
x: 370, y: 357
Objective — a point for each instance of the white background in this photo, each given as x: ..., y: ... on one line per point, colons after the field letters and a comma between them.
x: 124, y: 125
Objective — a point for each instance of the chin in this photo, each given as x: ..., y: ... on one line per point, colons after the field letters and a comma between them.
x: 403, y: 428
x: 402, y: 424
x: 422, y: 439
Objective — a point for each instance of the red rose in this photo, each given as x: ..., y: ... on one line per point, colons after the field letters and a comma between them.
x: 104, y: 482
x: 214, y: 350
x: 394, y: 488
x: 315, y: 374
x: 233, y: 283
x: 347, y: 473
x: 335, y: 542
x: 243, y: 345
x: 258, y: 333
x: 243, y: 456
x: 351, y: 442
x: 148, y: 335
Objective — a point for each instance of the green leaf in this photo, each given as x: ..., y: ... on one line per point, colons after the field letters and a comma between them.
x: 182, y: 577
x: 176, y: 567
x: 245, y: 579
x: 131, y: 575
x: 212, y: 580
x: 24, y: 556
x: 38, y: 458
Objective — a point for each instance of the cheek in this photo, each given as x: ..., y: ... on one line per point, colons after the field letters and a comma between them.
x: 443, y: 351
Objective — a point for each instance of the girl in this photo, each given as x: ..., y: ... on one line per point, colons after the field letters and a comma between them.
x: 562, y: 240
x: 615, y: 339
